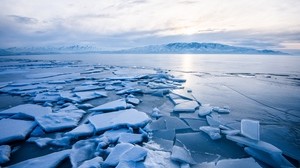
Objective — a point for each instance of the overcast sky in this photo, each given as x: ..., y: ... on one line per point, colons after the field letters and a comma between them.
x: 115, y: 24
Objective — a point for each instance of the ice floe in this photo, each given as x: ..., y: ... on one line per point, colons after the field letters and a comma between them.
x: 117, y: 153
x: 84, y: 96
x: 127, y: 118
x: 180, y: 154
x: 82, y: 130
x: 86, y: 88
x: 13, y: 130
x: 213, y: 132
x: 31, y: 110
x: 96, y: 162
x: 119, y: 104
x: 130, y: 138
x: 47, y: 161
x: 187, y: 107
x: 204, y: 110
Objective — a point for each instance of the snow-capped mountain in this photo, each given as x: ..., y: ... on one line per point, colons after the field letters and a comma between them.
x: 198, y: 48
x: 171, y: 48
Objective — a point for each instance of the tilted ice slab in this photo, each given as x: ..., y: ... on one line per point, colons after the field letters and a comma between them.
x: 59, y: 121
x: 4, y: 153
x: 157, y: 158
x: 13, y: 130
x: 188, y: 107
x: 83, y: 96
x: 111, y: 106
x: 83, y: 150
x: 47, y: 161
x: 31, y: 110
x: 182, y: 155
x: 231, y: 163
x: 130, y: 138
x: 114, y: 135
x: 92, y: 163
x: 250, y: 129
x: 115, y: 155
x: 129, y: 118
x: 81, y: 130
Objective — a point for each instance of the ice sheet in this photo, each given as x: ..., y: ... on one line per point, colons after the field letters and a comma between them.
x: 31, y: 110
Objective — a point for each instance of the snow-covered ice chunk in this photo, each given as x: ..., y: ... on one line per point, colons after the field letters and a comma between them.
x: 114, y: 135
x: 83, y: 96
x: 31, y: 110
x: 59, y: 121
x: 86, y: 88
x: 129, y: 118
x: 161, y: 159
x: 114, y: 157
x: 67, y: 95
x: 130, y: 164
x: 4, y: 153
x: 164, y: 144
x: 275, y: 160
x: 134, y: 154
x: 81, y: 130
x: 204, y: 110
x: 13, y: 130
x: 213, y: 132
x: 183, y: 94
x: 119, y: 104
x: 260, y: 145
x: 47, y: 161
x: 83, y: 150
x: 130, y: 138
x: 229, y: 163
x: 92, y: 163
x: 188, y: 107
x: 221, y: 110
x: 182, y: 155
x: 250, y: 129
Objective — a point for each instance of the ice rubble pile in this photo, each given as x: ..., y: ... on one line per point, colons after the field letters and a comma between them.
x: 97, y: 122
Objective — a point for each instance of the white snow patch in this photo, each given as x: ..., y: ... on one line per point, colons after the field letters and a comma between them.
x: 4, y: 153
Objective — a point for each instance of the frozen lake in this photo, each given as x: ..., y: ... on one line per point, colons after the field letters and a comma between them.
x: 258, y: 87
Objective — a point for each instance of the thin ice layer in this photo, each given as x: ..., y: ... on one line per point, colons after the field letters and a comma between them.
x: 31, y: 110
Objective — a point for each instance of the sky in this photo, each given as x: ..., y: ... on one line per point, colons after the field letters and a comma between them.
x: 120, y: 24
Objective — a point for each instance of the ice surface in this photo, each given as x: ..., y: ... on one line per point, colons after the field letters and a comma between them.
x: 230, y: 163
x: 92, y: 163
x: 182, y: 155
x: 67, y: 95
x: 59, y: 121
x: 86, y: 88
x: 212, y: 121
x: 260, y: 145
x: 83, y: 150
x: 187, y: 107
x: 47, y: 97
x: 221, y: 110
x: 13, y: 130
x: 130, y: 164
x: 204, y: 110
x: 183, y: 94
x: 83, y: 96
x: 111, y: 106
x: 250, y: 129
x: 4, y: 153
x: 116, y: 154
x: 31, y: 110
x: 133, y: 100
x: 174, y: 123
x: 130, y: 138
x: 213, y: 132
x: 82, y: 130
x: 42, y: 142
x: 47, y: 161
x: 195, y: 123
x: 275, y: 160
x: 129, y: 118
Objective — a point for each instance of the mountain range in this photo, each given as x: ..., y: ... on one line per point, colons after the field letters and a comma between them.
x: 171, y: 48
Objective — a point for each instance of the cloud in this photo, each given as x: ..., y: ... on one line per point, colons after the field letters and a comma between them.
x: 23, y: 20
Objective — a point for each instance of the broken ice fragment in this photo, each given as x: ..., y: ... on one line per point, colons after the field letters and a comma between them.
x: 129, y: 118
x: 130, y: 138
x: 82, y: 150
x: 47, y: 97
x: 88, y: 95
x: 4, y: 153
x: 134, y: 154
x: 59, y: 121
x: 250, y: 129
x: 47, y: 161
x: 31, y: 110
x: 182, y: 155
x: 81, y: 130
x: 92, y: 163
x: 114, y: 135
x: 212, y: 121
x: 204, y: 110
x: 111, y: 106
x: 188, y: 107
x: 213, y: 132
x: 86, y: 88
x: 115, y: 155
x: 133, y: 100
x: 13, y: 130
